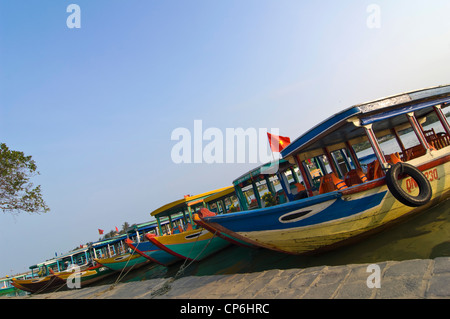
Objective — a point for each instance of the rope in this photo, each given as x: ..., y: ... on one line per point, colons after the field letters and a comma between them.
x: 48, y: 284
x: 167, y: 284
x: 118, y: 277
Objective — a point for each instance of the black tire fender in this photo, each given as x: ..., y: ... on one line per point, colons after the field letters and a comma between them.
x: 394, y: 185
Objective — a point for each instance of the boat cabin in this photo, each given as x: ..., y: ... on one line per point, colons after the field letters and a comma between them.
x: 270, y: 184
x: 78, y: 257
x: 359, y: 144
x: 223, y: 202
x: 179, y: 213
x: 350, y: 148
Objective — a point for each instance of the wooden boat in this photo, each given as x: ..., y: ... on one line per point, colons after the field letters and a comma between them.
x: 6, y: 286
x: 86, y: 276
x: 43, y: 276
x: 37, y: 285
x: 407, y: 136
x: 184, y: 239
x: 123, y: 261
x: 223, y: 202
x: 141, y: 245
x: 153, y: 253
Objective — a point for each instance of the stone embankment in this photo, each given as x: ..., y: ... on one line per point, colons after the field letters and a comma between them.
x: 420, y: 278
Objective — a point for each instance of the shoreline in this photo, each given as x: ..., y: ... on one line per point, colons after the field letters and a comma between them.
x: 409, y: 279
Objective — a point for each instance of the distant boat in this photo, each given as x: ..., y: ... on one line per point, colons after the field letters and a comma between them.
x: 85, y: 277
x: 43, y: 276
x: 51, y: 275
x: 183, y: 238
x: 344, y: 201
x: 123, y: 261
x: 44, y: 284
x: 6, y: 286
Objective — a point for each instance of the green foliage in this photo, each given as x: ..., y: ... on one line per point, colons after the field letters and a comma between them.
x: 269, y: 200
x: 17, y: 193
x: 234, y: 208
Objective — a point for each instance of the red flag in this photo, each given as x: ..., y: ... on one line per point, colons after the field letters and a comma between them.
x: 278, y: 143
x: 100, y: 231
x: 117, y: 230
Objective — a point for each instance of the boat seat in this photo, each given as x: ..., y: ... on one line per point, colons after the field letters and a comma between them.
x: 374, y: 170
x: 393, y: 158
x: 177, y: 230
x: 300, y: 187
x: 429, y: 134
x: 330, y: 183
x: 355, y: 177
x: 413, y: 152
x: 439, y: 140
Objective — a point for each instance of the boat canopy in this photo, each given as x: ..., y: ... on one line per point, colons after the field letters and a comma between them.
x: 265, y: 169
x: 349, y: 124
x: 181, y: 205
x: 226, y: 192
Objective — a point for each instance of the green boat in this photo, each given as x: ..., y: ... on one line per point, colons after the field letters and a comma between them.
x: 183, y: 238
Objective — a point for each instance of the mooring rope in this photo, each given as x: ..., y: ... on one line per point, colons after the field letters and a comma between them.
x: 167, y: 284
x: 48, y: 284
x: 118, y: 277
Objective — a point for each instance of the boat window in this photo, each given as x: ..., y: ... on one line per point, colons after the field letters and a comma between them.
x: 434, y: 131
x: 407, y: 144
x: 318, y: 167
x: 364, y: 153
x: 250, y: 197
x: 343, y: 162
x: 289, y: 176
x: 234, y: 204
x: 213, y: 207
x: 275, y: 183
x: 262, y: 187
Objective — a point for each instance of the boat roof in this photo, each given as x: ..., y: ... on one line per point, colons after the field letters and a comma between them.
x: 227, y: 191
x: 263, y: 169
x: 342, y: 124
x: 180, y: 204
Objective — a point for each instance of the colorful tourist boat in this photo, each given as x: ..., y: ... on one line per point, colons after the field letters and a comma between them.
x: 43, y: 276
x: 153, y: 253
x: 79, y: 278
x: 6, y: 284
x: 335, y: 198
x: 139, y: 243
x: 124, y: 261
x: 223, y: 202
x: 181, y: 237
x: 37, y: 285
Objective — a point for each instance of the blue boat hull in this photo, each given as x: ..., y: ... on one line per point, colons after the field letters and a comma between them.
x: 323, y: 221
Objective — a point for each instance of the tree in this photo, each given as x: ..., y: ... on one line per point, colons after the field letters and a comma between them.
x: 125, y: 226
x: 113, y: 233
x: 17, y: 193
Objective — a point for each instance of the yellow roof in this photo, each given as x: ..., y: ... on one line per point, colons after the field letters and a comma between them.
x: 227, y: 190
x: 184, y: 201
x: 168, y: 206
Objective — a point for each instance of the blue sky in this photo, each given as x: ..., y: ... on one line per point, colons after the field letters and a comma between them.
x: 96, y: 106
